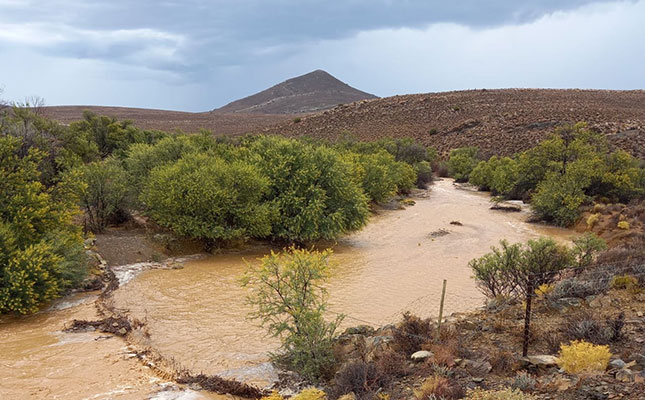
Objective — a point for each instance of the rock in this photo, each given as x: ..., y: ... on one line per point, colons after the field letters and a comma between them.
x: 618, y: 364
x: 421, y: 355
x: 89, y: 242
x: 478, y: 380
x: 639, y: 314
x: 456, y: 223
x: 544, y: 360
x: 624, y: 375
x: 477, y: 368
x: 600, y: 302
x: 122, y: 331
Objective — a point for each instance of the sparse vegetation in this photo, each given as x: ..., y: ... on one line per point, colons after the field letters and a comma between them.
x: 501, y: 394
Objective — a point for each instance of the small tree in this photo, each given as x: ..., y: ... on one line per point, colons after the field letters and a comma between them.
x: 517, y: 271
x: 290, y: 301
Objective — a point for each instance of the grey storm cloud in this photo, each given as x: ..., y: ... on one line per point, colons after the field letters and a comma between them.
x: 198, y: 54
x: 198, y: 34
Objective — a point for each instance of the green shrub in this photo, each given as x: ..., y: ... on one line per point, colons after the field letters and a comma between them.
x: 423, y: 171
x: 312, y: 190
x: 624, y: 282
x: 289, y: 300
x: 461, y: 162
x: 104, y: 197
x: 142, y: 158
x: 558, y: 199
x: 41, y: 251
x: 585, y: 248
x: 207, y: 198
x: 377, y: 174
x: 513, y: 269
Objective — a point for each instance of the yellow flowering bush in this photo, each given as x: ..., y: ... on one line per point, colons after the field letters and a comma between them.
x: 581, y: 357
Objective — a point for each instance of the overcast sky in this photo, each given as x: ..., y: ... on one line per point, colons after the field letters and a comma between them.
x: 197, y: 55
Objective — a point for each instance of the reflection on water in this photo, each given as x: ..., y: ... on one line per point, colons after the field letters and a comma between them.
x: 197, y: 314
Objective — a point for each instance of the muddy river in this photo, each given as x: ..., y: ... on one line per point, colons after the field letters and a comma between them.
x: 196, y: 315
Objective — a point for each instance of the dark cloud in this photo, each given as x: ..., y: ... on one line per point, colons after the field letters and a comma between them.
x: 208, y: 52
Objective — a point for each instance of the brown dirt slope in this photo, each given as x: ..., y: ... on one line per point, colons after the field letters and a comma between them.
x: 315, y: 91
x: 497, y: 121
x: 218, y: 123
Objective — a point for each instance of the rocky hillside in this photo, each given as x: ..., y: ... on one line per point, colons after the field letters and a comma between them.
x: 497, y: 121
x: 218, y: 123
x: 307, y: 93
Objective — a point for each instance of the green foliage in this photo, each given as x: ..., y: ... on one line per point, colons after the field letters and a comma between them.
x: 498, y: 175
x: 513, y: 269
x: 111, y: 135
x: 492, y: 271
x: 461, y: 163
x: 376, y: 173
x: 205, y: 197
x: 290, y: 300
x: 585, y: 247
x: 312, y: 190
x: 41, y: 252
x: 562, y: 173
x: 141, y: 158
x: 558, y: 198
x: 624, y: 282
x: 104, y: 196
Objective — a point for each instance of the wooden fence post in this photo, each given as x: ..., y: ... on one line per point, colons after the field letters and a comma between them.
x: 443, y: 295
x: 527, y: 317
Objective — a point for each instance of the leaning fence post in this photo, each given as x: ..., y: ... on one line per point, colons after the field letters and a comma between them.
x: 443, y: 295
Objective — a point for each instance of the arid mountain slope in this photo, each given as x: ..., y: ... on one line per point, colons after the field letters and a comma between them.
x: 497, y: 121
x: 218, y: 123
x: 311, y: 92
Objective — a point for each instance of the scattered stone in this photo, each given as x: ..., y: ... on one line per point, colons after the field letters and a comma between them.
x: 421, y: 355
x: 617, y: 363
x: 624, y: 375
x: 456, y: 223
x: 544, y: 360
x: 600, y: 302
x: 477, y: 368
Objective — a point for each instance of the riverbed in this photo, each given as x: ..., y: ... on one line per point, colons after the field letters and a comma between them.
x: 197, y: 316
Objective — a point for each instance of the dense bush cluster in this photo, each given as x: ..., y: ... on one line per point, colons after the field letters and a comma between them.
x: 199, y: 187
x: 267, y: 187
x: 41, y: 251
x: 559, y: 175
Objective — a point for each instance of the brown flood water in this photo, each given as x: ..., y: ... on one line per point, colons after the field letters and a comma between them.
x: 197, y: 316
